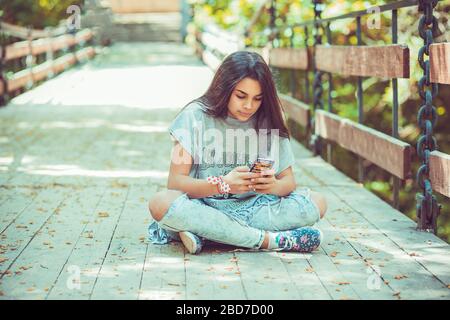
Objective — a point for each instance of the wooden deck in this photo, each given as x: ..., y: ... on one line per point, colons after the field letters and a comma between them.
x: 80, y: 156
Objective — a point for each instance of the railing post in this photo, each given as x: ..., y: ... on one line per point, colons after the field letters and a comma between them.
x: 292, y: 78
x: 30, y: 58
x: 395, y: 180
x: 307, y: 84
x: 427, y: 206
x: 360, y: 101
x: 3, y: 80
x: 72, y: 31
x: 330, y: 97
x: 272, y: 22
x: 49, y: 57
x: 317, y: 84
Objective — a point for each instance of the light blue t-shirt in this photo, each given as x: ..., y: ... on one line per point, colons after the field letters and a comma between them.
x: 217, y: 146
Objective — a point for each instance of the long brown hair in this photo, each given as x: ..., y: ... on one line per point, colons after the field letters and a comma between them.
x: 234, y: 68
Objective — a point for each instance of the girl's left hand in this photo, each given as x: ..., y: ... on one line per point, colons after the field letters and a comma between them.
x: 266, y: 183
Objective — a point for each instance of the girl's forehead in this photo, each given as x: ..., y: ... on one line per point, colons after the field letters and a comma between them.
x: 249, y: 85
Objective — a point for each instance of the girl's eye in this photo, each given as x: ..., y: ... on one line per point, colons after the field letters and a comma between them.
x: 258, y: 99
x: 240, y: 97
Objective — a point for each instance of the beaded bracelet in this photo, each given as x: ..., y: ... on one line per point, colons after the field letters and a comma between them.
x: 222, y: 186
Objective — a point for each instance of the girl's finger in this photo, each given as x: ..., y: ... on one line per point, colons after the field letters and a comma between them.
x: 242, y: 169
x: 250, y: 175
x: 262, y: 180
x: 262, y: 186
x: 269, y: 172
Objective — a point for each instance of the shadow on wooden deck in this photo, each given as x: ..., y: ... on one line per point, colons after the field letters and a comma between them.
x: 81, y: 155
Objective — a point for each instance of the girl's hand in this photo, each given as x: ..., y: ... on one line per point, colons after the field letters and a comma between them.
x: 266, y: 183
x: 239, y: 179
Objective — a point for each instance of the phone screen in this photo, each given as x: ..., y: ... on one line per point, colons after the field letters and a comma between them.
x: 261, y: 164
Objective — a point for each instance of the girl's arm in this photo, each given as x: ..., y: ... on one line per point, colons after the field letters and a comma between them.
x: 179, y: 178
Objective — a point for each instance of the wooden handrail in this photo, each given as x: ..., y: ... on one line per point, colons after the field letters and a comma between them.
x: 369, y: 143
x: 22, y: 48
x: 391, y: 61
x: 440, y: 172
x: 440, y: 63
x: 27, y: 33
x: 22, y: 78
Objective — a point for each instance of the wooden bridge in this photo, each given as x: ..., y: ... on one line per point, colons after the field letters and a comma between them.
x: 83, y: 152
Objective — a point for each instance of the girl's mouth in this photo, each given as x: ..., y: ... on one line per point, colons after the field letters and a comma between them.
x: 245, y: 114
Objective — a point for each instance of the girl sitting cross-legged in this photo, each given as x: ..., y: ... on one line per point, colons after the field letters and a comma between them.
x: 212, y: 194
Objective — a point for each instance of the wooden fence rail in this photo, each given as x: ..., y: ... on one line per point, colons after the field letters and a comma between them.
x: 39, y: 42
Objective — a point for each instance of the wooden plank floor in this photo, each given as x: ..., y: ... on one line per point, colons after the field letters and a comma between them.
x: 80, y: 156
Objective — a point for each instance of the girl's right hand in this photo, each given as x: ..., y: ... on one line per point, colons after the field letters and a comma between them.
x: 239, y: 179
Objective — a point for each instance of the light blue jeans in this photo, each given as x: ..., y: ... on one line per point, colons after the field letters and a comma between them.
x: 245, y: 228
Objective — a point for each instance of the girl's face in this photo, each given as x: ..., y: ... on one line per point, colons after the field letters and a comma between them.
x: 245, y: 99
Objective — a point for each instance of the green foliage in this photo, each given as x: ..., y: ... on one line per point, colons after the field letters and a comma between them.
x: 36, y: 13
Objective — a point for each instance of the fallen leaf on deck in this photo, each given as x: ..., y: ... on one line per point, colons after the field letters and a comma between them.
x: 3, y: 259
x: 333, y: 254
x: 223, y: 287
x: 343, y: 283
x: 25, y: 267
x: 30, y: 289
x: 103, y: 214
x: 386, y: 282
x: 400, y: 276
x: 309, y: 269
x: 117, y: 184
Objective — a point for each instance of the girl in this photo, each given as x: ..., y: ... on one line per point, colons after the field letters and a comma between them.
x: 212, y: 193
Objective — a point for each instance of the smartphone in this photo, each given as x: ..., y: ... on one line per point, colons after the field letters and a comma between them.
x: 262, y: 164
